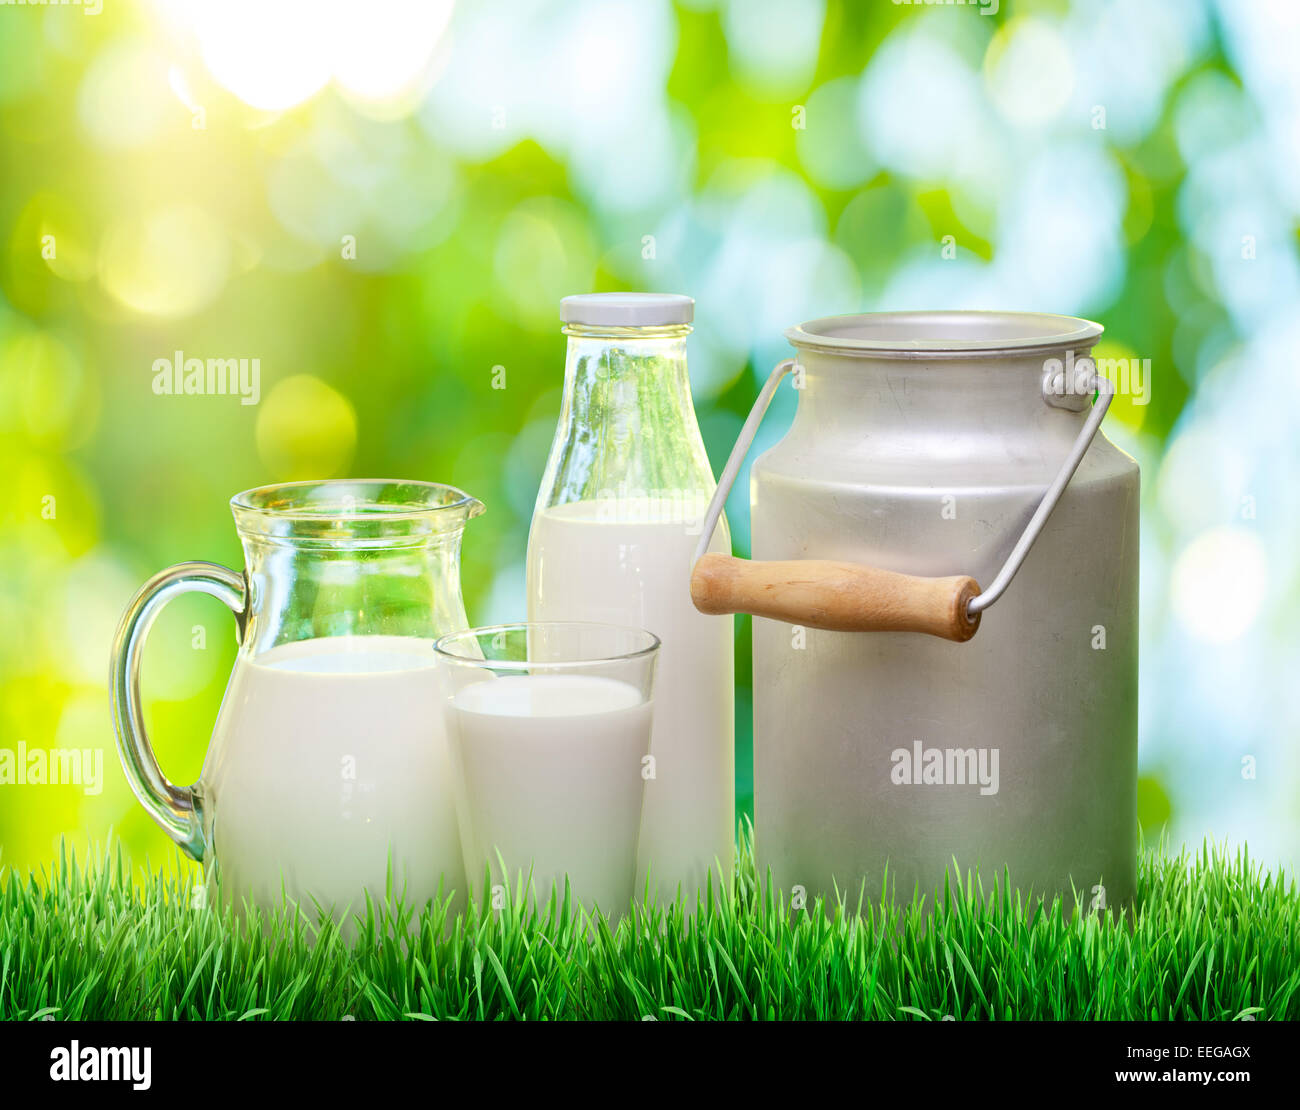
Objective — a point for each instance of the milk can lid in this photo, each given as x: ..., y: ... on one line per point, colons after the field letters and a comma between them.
x: 628, y: 310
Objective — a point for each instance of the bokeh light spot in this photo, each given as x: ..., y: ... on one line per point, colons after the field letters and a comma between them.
x: 1131, y: 378
x: 1218, y: 584
x: 121, y: 102
x: 1153, y: 806
x: 271, y: 56
x: 50, y: 391
x: 828, y: 145
x: 384, y: 47
x: 276, y: 56
x: 774, y: 43
x: 63, y: 237
x: 305, y: 429
x: 1029, y: 71
x: 543, y: 253
x: 170, y: 263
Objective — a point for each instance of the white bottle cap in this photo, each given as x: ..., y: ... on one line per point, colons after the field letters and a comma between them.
x: 628, y: 310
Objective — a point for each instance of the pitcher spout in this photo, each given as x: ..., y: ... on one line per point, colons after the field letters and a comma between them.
x: 474, y: 508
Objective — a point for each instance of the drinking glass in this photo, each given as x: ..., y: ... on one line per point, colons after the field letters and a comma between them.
x: 549, y: 730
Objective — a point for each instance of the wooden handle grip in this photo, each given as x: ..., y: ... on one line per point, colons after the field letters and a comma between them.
x: 839, y: 597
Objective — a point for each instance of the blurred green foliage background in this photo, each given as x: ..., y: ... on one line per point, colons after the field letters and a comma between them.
x: 382, y: 202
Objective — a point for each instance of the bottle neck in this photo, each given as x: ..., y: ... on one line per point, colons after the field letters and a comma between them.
x: 627, y: 429
x: 624, y: 385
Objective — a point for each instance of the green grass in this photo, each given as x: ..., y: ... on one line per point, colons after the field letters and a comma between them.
x: 1212, y: 937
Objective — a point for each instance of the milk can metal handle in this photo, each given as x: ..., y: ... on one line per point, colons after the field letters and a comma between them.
x: 851, y: 597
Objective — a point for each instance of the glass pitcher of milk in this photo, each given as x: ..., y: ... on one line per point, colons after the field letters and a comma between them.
x: 328, y: 770
x: 617, y: 521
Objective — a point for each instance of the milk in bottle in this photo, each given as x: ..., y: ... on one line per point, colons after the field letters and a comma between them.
x: 613, y: 534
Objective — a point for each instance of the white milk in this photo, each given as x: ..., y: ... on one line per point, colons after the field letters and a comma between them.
x: 327, y: 754
x: 615, y: 563
x: 551, y: 767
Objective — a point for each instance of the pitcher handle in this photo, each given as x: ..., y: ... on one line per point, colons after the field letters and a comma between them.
x: 175, y: 808
x: 849, y: 597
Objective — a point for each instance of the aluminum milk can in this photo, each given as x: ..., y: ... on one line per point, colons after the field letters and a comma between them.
x: 912, y: 704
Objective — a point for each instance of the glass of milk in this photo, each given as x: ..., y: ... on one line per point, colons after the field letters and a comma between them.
x: 549, y: 730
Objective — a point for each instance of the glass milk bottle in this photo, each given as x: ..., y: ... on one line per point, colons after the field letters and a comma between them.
x: 617, y: 521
